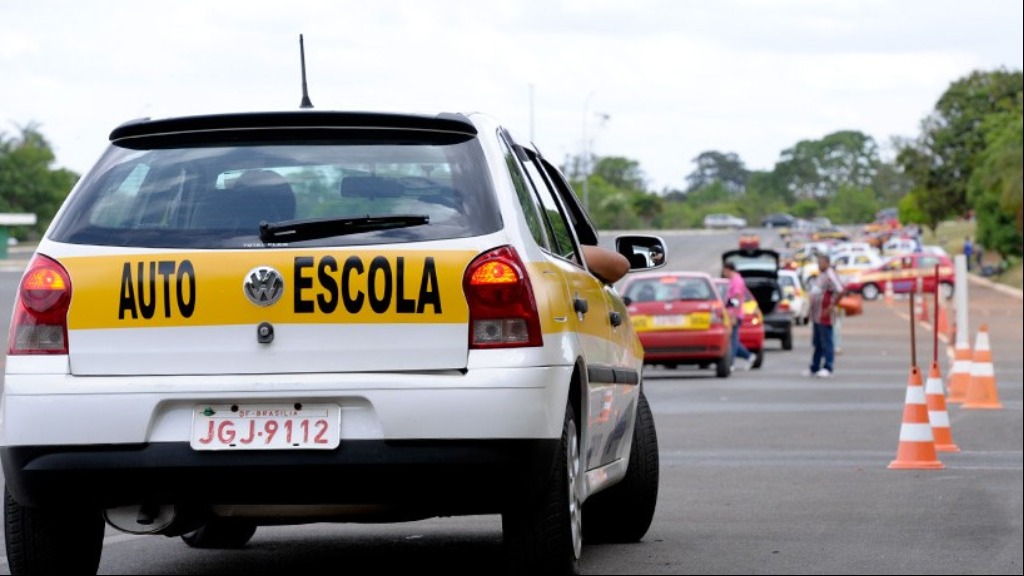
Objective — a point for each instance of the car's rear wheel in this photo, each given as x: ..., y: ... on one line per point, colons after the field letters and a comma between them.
x: 623, y: 513
x: 221, y: 534
x: 722, y: 367
x: 52, y: 541
x: 545, y: 535
x: 946, y: 289
x: 787, y: 341
x: 870, y: 292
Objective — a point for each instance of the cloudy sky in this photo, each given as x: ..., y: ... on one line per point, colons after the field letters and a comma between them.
x: 655, y: 81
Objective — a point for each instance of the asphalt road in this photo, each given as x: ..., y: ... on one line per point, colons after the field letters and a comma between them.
x: 764, y: 472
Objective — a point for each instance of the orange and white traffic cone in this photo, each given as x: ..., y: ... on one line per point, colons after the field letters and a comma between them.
x: 982, y: 391
x: 922, y: 314
x: 960, y: 377
x: 941, y: 320
x: 935, y: 397
x: 889, y: 295
x: 916, y: 450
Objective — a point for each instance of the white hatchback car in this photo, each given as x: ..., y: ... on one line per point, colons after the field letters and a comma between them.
x: 306, y: 316
x: 717, y: 221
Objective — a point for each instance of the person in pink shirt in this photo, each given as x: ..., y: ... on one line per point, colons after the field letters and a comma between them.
x: 734, y: 298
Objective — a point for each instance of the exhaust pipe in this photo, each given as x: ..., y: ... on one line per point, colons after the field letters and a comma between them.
x: 141, y: 518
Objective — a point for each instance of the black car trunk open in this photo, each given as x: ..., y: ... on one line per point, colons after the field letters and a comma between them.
x: 760, y: 270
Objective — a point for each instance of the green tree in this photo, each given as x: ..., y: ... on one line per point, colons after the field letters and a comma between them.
x: 995, y: 189
x: 620, y: 172
x: 819, y: 168
x: 852, y: 205
x: 28, y: 182
x: 715, y: 192
x: 725, y: 168
x: 648, y: 207
x: 946, y: 153
x: 771, y: 187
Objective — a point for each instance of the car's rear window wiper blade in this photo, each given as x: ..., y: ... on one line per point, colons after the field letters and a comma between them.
x: 313, y: 229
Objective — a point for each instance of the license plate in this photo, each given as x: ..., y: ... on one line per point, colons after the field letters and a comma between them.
x: 291, y: 426
x: 672, y: 321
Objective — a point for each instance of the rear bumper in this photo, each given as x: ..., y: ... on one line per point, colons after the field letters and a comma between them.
x: 418, y: 478
x: 684, y: 347
x: 778, y: 326
x: 752, y: 337
x: 427, y: 444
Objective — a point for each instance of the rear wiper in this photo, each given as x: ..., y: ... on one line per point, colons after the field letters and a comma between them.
x: 313, y: 229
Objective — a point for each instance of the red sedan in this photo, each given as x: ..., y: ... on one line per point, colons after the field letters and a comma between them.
x: 680, y: 319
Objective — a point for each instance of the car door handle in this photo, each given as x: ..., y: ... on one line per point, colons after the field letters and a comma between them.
x: 580, y: 305
x: 616, y: 319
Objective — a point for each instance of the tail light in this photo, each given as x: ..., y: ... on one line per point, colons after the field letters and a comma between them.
x: 784, y: 305
x: 39, y: 324
x: 502, y: 307
x: 717, y: 316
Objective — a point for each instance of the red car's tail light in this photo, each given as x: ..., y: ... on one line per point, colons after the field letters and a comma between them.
x: 717, y: 316
x: 39, y: 321
x: 502, y: 307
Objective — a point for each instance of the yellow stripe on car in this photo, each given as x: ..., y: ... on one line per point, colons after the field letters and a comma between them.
x: 206, y: 288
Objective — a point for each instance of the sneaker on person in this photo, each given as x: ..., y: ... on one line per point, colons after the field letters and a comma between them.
x: 751, y: 360
x: 823, y: 373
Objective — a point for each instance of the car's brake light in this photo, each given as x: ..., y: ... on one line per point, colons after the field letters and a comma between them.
x: 39, y: 322
x: 502, y: 308
x: 717, y: 316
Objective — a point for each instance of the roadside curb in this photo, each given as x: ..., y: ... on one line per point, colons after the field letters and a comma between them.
x: 1009, y: 290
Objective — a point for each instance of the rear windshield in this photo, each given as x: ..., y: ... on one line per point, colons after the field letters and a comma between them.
x: 670, y: 288
x: 757, y: 263
x: 217, y: 196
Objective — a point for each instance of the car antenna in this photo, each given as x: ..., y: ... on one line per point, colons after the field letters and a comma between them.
x: 302, y: 59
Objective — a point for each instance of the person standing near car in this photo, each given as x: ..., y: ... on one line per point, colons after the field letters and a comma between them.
x: 825, y: 291
x: 734, y: 298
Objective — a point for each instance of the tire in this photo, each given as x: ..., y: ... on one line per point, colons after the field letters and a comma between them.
x: 624, y: 512
x: 58, y: 541
x: 220, y: 534
x: 760, y: 359
x: 544, y: 535
x: 946, y: 289
x: 870, y: 292
x: 787, y: 341
x: 722, y: 367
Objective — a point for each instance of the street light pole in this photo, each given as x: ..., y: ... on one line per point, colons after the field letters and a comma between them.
x: 586, y: 164
x: 586, y: 155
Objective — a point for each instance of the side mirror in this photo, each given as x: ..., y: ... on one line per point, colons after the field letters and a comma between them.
x: 643, y: 252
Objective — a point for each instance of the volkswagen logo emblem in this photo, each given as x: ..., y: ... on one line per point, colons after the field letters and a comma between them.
x: 263, y: 286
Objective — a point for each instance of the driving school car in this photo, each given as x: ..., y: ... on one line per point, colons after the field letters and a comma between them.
x: 275, y: 318
x: 917, y: 271
x: 680, y: 319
